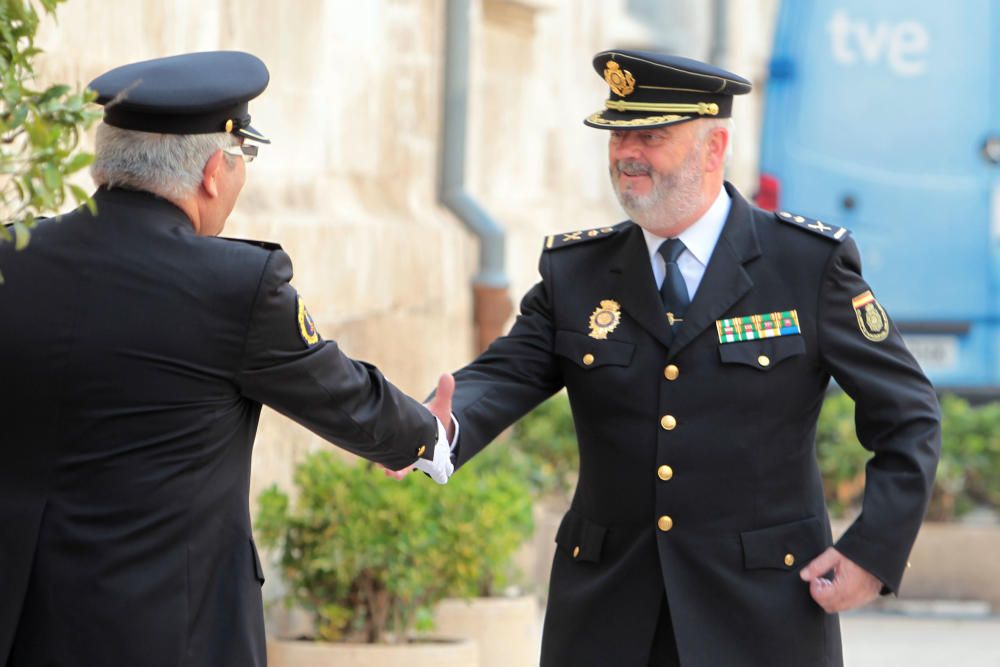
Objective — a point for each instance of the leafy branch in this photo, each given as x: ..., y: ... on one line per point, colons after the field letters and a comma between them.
x: 39, y: 128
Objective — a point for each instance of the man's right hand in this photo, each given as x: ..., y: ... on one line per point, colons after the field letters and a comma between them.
x: 440, y: 405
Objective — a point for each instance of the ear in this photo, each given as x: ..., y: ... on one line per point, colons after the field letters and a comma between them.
x: 715, y: 148
x: 210, y: 172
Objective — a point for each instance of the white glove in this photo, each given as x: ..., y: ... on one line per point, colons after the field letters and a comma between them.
x: 440, y: 467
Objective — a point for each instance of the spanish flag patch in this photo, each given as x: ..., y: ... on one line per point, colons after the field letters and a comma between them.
x: 872, y: 320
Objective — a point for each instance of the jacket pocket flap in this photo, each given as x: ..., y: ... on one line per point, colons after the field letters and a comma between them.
x: 762, y: 354
x: 258, y: 569
x: 580, y: 538
x: 783, y: 547
x: 589, y: 352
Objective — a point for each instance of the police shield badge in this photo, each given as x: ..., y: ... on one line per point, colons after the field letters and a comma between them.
x: 605, y: 319
x: 872, y: 320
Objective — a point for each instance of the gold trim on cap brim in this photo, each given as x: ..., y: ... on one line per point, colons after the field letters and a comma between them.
x: 598, y: 120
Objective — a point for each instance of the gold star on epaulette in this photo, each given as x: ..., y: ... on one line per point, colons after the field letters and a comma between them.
x: 564, y: 239
x: 833, y: 232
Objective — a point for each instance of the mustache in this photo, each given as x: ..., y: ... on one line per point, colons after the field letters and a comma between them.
x: 633, y: 167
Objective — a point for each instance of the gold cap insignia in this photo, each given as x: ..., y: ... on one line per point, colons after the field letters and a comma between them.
x: 621, y: 80
x: 307, y: 328
x: 605, y: 319
x: 872, y: 320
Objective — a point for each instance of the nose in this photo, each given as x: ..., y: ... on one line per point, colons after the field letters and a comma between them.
x: 625, y: 146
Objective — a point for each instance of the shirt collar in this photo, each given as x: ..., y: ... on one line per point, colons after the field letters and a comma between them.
x: 701, y: 237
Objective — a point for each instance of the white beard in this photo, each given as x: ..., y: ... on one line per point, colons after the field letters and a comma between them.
x: 673, y: 199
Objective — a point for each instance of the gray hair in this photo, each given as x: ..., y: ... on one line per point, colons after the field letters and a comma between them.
x: 724, y: 123
x: 168, y: 165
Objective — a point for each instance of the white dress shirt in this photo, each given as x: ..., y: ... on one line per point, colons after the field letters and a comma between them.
x: 699, y: 241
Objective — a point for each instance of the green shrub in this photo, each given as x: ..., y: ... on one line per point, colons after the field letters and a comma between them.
x: 840, y: 456
x: 370, y: 555
x: 545, y: 440
x: 545, y: 447
x: 968, y: 474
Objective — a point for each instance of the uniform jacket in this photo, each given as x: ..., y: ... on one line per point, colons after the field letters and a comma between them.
x: 134, y: 359
x: 734, y: 422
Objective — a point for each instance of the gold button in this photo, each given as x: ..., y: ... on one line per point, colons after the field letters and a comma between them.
x: 789, y: 560
x: 576, y: 551
x: 588, y: 359
x: 665, y: 523
x: 420, y: 450
x: 664, y: 472
x: 764, y: 360
x: 668, y: 422
x: 671, y: 372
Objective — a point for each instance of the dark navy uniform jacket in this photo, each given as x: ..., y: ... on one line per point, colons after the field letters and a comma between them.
x: 134, y: 359
x: 726, y: 530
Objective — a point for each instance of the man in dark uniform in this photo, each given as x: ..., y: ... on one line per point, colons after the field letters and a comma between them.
x: 696, y: 342
x: 135, y: 353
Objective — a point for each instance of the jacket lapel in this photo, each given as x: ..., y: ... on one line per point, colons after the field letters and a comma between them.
x: 635, y: 287
x: 725, y: 280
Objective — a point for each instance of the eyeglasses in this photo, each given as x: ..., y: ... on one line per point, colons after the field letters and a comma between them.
x: 246, y: 151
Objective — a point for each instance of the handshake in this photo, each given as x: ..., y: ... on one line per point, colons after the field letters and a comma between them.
x: 440, y: 467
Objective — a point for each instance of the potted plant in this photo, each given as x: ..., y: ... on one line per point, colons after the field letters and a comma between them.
x: 492, y: 497
x: 368, y: 557
x: 545, y: 447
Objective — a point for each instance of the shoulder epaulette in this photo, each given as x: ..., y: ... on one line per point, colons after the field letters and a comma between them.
x: 832, y: 232
x: 564, y: 239
x: 266, y: 245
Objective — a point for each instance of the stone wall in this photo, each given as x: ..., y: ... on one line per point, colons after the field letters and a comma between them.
x: 349, y: 184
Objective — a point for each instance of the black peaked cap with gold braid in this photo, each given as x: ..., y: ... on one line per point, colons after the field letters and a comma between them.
x: 191, y: 93
x: 653, y: 90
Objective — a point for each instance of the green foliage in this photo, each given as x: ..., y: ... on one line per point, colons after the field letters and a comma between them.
x: 840, y: 456
x: 489, y: 515
x: 546, y: 447
x: 543, y: 446
x: 370, y: 555
x: 968, y: 474
x: 39, y: 128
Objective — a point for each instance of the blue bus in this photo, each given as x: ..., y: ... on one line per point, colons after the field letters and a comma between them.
x: 884, y: 117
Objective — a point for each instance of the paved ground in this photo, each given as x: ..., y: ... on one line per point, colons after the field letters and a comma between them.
x: 891, y: 640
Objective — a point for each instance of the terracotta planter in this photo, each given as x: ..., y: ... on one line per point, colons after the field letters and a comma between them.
x: 428, y: 653
x: 505, y: 629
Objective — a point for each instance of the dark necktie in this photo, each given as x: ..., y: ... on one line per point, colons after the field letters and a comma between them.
x: 673, y: 292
